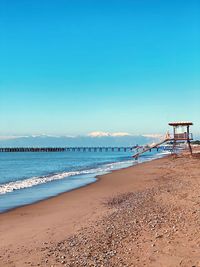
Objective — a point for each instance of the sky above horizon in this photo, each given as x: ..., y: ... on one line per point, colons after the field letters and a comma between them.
x: 73, y: 67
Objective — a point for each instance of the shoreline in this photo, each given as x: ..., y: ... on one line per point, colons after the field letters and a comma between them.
x: 30, y: 233
x: 97, y: 177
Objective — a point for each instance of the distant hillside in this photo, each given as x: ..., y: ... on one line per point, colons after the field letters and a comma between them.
x: 45, y: 141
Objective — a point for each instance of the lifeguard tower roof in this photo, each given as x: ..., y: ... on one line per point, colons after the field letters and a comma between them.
x: 181, y: 123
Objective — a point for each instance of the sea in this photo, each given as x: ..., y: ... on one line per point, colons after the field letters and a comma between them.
x: 30, y: 177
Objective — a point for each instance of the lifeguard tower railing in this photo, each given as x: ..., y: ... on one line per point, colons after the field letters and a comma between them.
x: 183, y: 136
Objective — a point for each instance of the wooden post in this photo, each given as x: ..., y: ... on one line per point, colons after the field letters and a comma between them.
x: 188, y: 139
x: 174, y: 144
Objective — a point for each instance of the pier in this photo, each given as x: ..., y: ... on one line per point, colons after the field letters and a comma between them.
x: 68, y: 149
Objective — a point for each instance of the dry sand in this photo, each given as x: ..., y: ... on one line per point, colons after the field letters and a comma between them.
x: 146, y: 215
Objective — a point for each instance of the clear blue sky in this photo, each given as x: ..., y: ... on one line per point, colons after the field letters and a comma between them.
x: 71, y: 67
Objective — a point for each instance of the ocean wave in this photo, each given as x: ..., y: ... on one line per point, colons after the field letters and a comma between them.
x: 98, y: 170
x: 33, y: 181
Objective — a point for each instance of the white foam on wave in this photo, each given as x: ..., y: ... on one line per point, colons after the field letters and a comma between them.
x: 33, y: 181
x: 20, y: 184
x: 164, y: 153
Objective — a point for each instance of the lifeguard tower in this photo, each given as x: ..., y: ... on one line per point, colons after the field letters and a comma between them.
x: 181, y: 132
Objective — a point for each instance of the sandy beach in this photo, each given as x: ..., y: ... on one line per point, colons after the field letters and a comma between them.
x: 145, y: 215
x: 99, y: 133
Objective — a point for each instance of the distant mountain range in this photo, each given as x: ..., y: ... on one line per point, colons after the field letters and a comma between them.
x: 93, y: 139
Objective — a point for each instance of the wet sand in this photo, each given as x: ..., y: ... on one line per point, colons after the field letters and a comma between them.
x: 146, y: 215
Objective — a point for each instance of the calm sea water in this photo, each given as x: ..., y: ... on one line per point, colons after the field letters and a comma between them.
x: 29, y: 177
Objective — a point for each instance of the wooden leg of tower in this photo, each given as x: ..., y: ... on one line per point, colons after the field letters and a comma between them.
x: 190, y: 148
x: 174, y: 147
